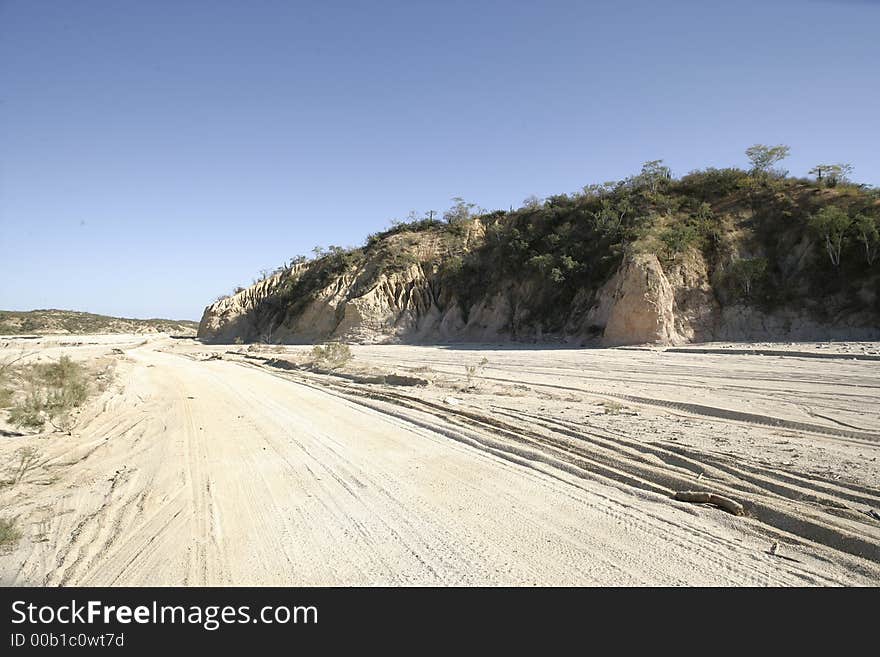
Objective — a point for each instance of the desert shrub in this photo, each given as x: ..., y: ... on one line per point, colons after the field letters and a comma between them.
x: 678, y: 238
x: 53, y: 390
x: 6, y: 392
x: 612, y: 407
x: 297, y: 291
x: 9, y: 370
x: 711, y: 184
x: 24, y: 460
x: 415, y: 226
x: 9, y: 534
x: 473, y: 371
x: 28, y: 412
x: 461, y: 212
x: 394, y: 255
x: 831, y: 225
x: 64, y: 372
x: 867, y: 232
x: 330, y: 356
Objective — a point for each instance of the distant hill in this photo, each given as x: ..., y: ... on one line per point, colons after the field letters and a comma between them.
x: 14, y: 322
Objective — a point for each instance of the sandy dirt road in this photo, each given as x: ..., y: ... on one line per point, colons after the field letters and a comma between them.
x: 213, y: 472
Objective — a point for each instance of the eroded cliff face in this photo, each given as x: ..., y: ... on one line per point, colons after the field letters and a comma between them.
x: 639, y: 304
x: 636, y: 305
x: 401, y: 306
x: 364, y: 303
x: 238, y: 315
x: 644, y: 301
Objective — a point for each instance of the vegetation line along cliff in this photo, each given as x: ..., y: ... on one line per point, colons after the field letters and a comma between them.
x: 718, y: 254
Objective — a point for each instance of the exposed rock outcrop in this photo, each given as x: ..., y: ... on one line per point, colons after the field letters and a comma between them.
x: 489, y: 281
x: 637, y: 305
x: 643, y: 302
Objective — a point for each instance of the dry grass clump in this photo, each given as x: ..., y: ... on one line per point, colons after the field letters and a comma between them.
x: 50, y: 393
x: 26, y: 460
x: 472, y: 372
x: 612, y: 407
x: 9, y: 534
x: 330, y: 356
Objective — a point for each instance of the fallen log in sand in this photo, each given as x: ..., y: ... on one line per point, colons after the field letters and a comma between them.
x: 704, y: 497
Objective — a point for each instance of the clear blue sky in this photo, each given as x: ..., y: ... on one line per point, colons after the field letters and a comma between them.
x: 154, y: 154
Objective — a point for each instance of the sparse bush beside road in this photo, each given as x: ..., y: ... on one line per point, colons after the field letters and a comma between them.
x: 51, y: 392
x: 9, y: 534
x: 25, y: 459
x: 612, y: 407
x: 474, y: 371
x: 330, y: 356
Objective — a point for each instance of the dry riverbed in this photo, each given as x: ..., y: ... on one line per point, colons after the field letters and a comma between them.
x: 241, y: 465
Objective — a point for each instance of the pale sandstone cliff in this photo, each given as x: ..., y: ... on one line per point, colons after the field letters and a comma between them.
x: 643, y: 302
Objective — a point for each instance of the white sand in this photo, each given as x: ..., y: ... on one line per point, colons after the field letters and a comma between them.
x: 189, y: 471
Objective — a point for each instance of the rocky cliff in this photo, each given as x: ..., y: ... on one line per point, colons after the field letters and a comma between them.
x: 641, y: 303
x: 475, y: 282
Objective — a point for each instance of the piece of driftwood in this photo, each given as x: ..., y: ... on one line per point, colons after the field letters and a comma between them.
x: 705, y: 497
